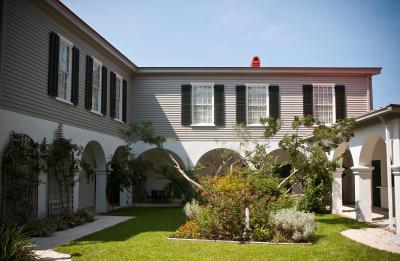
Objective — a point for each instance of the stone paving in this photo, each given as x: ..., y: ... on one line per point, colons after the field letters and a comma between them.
x: 45, y: 245
x: 375, y: 237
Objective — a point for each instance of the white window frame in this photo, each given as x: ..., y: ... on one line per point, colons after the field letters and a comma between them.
x: 118, y: 77
x: 65, y: 41
x: 331, y: 85
x: 199, y: 84
x: 260, y: 85
x: 98, y: 111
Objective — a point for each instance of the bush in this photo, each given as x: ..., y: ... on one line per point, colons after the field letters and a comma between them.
x: 291, y: 225
x: 188, y: 230
x: 40, y: 228
x: 191, y: 209
x: 15, y: 244
x: 46, y: 226
x: 261, y: 233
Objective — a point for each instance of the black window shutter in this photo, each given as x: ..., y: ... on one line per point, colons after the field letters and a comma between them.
x: 104, y: 90
x: 219, y: 105
x: 340, y: 97
x: 52, y: 81
x: 124, y: 99
x: 274, y: 101
x: 186, y: 105
x: 75, y: 76
x: 113, y: 91
x: 307, y: 100
x: 89, y: 80
x: 241, y: 104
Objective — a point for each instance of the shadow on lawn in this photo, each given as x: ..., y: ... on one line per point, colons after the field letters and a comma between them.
x: 342, y: 221
x: 146, y: 220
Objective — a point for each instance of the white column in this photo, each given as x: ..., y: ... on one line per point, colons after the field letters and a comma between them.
x: 125, y: 198
x: 337, y: 201
x: 396, y: 174
x: 76, y: 189
x: 388, y: 142
x: 363, y: 193
x: 43, y: 198
x: 101, y: 185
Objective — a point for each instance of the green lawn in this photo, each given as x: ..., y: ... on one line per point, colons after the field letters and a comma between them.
x: 145, y: 238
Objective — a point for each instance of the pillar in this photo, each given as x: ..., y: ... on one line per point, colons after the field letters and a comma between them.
x: 76, y: 189
x: 337, y: 201
x: 101, y: 203
x: 363, y: 192
x: 43, y: 199
x: 396, y: 174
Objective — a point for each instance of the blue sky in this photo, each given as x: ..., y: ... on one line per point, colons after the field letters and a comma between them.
x: 229, y: 33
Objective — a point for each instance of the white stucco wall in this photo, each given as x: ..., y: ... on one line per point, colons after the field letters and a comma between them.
x: 37, y: 129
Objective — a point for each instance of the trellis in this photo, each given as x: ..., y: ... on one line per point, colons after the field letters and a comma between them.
x: 19, y: 180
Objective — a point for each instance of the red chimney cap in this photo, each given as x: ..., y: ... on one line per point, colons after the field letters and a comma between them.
x: 255, y: 63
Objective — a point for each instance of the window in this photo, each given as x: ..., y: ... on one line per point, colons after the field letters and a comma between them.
x: 96, y: 86
x: 256, y: 103
x: 118, y: 98
x: 203, y: 104
x: 323, y: 95
x: 64, y: 70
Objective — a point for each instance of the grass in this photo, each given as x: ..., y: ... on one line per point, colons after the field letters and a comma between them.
x: 145, y: 238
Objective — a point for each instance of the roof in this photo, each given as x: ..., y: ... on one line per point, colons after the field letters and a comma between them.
x: 264, y: 70
x: 389, y: 112
x: 83, y: 26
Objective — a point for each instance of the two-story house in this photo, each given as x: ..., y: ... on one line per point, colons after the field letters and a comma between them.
x: 54, y: 68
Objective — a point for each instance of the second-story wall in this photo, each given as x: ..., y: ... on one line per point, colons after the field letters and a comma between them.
x: 157, y: 98
x: 24, y: 85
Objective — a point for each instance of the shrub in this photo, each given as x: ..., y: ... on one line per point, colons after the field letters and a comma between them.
x: 191, y: 209
x: 188, y: 230
x: 261, y: 233
x: 15, y: 244
x: 291, y: 225
x: 40, y: 228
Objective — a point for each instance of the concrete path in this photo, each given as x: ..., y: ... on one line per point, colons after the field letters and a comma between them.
x: 45, y: 245
x: 375, y: 237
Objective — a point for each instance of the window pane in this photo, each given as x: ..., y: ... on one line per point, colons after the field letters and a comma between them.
x: 323, y: 104
x: 64, y: 74
x: 96, y: 86
x: 202, y: 104
x: 256, y: 104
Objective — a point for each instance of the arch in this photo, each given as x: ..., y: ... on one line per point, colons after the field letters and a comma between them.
x: 345, y: 161
x: 113, y: 189
x: 216, y: 162
x: 373, y: 154
x: 153, y: 168
x: 97, y: 150
x: 94, y: 160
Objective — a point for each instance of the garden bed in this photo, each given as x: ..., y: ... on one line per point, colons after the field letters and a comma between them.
x: 238, y: 242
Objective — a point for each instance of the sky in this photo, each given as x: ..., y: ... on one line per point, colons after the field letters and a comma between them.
x: 339, y: 33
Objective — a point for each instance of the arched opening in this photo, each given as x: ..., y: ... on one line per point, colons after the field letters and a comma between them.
x: 113, y: 179
x: 93, y: 160
x: 157, y: 180
x: 217, y: 162
x: 373, y: 154
x: 345, y: 161
x: 19, y: 173
x: 282, y: 157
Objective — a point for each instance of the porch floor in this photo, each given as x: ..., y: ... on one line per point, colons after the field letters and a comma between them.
x: 379, y: 216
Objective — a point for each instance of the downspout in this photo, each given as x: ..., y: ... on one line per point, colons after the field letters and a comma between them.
x: 389, y: 171
x: 370, y: 102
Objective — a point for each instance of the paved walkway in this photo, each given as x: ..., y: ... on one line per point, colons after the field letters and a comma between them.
x: 375, y: 237
x: 379, y: 215
x: 45, y: 245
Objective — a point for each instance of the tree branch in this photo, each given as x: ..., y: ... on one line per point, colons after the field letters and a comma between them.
x: 287, y: 178
x: 183, y: 173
